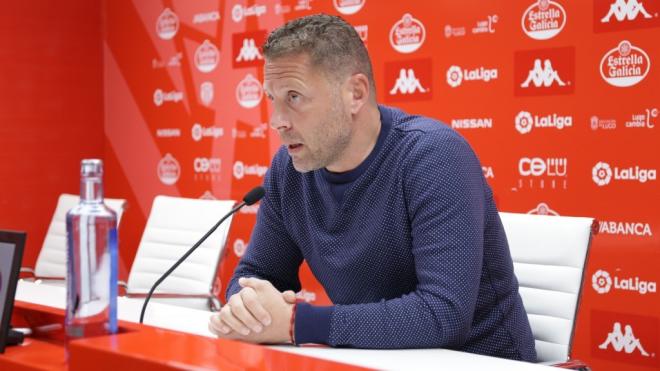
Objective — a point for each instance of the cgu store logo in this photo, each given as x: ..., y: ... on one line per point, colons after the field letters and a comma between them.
x: 407, y: 35
x: 544, y: 71
x: 602, y: 174
x: 167, y: 24
x: 624, y: 66
x: 624, y: 338
x: 543, y: 20
x: 207, y: 57
x: 348, y: 7
x: 249, y: 92
x: 602, y: 282
x: 409, y: 80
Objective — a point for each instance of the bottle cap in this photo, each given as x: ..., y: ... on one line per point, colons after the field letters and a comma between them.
x: 91, y: 167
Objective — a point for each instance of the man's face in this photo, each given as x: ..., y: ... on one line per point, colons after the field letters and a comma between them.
x: 308, y: 112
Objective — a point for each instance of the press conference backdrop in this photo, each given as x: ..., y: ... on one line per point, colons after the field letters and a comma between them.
x: 559, y: 99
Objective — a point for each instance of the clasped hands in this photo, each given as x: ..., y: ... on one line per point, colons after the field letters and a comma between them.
x: 259, y: 313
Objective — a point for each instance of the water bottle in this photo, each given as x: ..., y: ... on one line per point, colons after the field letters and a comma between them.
x: 91, y: 230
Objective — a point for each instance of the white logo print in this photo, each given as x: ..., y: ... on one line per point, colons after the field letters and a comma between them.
x: 239, y: 247
x: 407, y: 83
x: 537, y: 166
x: 626, y: 65
x: 207, y: 57
x: 206, y: 92
x: 207, y: 164
x: 407, y: 35
x: 601, y: 174
x: 168, y: 169
x: 249, y: 92
x: 643, y: 120
x: 348, y: 7
x: 620, y: 341
x: 161, y: 97
x: 199, y: 132
x: 206, y: 17
x: 238, y: 12
x: 601, y: 281
x: 456, y: 75
x: 167, y: 24
x: 525, y: 121
x: 543, y: 209
x: 240, y: 170
x: 249, y: 51
x: 542, y: 76
x: 625, y: 10
x: 625, y: 228
x: 207, y: 196
x: 543, y: 20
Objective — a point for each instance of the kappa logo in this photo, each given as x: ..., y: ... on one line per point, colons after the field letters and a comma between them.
x: 409, y: 80
x: 407, y: 35
x: 168, y: 170
x: 207, y: 57
x: 542, y: 209
x: 623, y: 10
x: 249, y: 51
x: 543, y: 20
x: 602, y: 174
x: 249, y: 92
x: 625, y: 66
x: 544, y: 71
x: 623, y: 342
x: 542, y: 76
x: 348, y: 7
x: 167, y: 24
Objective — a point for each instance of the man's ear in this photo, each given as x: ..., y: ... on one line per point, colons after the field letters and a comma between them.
x: 359, y: 91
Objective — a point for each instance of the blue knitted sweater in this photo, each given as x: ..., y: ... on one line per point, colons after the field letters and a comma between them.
x: 409, y: 247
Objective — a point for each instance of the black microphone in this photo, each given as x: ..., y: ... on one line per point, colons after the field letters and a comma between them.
x: 250, y: 198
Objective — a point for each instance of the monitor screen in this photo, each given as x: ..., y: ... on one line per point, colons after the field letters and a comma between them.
x: 11, y: 253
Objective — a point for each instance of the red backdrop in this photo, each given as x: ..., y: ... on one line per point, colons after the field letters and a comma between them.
x: 559, y: 99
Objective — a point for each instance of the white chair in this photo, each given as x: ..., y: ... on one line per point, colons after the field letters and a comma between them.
x: 50, y: 267
x: 549, y: 256
x: 174, y: 225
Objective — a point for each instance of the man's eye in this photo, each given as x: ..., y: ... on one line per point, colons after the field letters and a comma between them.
x: 294, y: 97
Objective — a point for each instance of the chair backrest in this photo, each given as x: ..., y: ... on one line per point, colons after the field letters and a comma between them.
x: 52, y: 257
x: 174, y: 225
x: 549, y: 256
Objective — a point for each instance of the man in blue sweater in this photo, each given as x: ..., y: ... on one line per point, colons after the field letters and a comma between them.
x: 391, y: 212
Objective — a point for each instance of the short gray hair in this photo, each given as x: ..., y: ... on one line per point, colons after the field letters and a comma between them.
x: 330, y: 41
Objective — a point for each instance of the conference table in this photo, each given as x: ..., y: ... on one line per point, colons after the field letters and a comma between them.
x: 175, y: 337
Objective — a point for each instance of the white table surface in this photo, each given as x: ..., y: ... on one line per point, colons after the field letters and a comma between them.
x: 195, y: 321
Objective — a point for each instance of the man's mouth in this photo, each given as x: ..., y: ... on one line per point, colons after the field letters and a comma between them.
x: 294, y: 147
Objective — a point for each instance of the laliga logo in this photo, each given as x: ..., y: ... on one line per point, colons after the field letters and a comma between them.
x: 239, y: 247
x: 524, y: 122
x: 348, y: 7
x: 624, y: 66
x: 240, y: 170
x: 601, y: 174
x: 249, y: 92
x: 455, y: 75
x: 206, y: 92
x: 407, y: 34
x: 167, y: 24
x: 601, y: 281
x: 543, y: 20
x: 168, y: 170
x: 207, y: 57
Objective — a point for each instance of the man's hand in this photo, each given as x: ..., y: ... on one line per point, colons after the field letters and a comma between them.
x: 258, y: 313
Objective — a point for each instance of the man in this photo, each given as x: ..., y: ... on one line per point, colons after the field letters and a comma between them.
x: 391, y: 212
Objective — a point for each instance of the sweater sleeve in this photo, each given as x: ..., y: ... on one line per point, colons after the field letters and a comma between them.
x: 444, y: 191
x: 271, y: 254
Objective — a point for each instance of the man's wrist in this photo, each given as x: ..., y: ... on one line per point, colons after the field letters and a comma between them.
x: 292, y: 324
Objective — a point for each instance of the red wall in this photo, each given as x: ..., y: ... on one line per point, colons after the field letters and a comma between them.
x: 51, y: 108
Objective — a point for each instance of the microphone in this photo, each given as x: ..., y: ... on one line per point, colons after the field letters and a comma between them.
x: 250, y: 198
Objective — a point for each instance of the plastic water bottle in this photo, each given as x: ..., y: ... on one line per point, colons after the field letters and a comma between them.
x: 91, y: 227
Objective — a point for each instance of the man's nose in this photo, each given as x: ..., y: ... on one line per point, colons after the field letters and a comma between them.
x: 278, y: 121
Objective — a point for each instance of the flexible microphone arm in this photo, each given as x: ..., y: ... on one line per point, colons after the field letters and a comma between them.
x: 250, y: 198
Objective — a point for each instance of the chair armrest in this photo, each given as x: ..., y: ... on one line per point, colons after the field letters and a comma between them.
x: 27, y: 273
x: 214, y: 302
x: 571, y: 364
